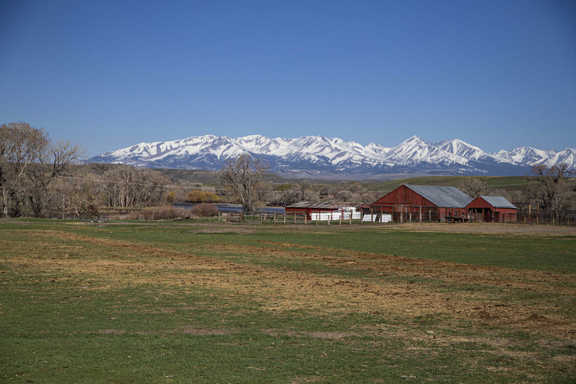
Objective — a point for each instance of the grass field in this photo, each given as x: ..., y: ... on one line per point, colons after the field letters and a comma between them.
x: 184, y: 303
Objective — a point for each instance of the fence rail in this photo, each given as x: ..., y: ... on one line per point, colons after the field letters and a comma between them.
x: 385, y: 218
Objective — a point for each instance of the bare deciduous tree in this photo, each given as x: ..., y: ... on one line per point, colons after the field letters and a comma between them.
x: 128, y: 187
x: 242, y: 177
x: 552, y: 189
x: 51, y: 163
x: 474, y: 187
x: 21, y: 146
x: 28, y: 164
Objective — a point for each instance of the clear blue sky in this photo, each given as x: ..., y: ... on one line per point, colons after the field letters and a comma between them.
x: 107, y: 74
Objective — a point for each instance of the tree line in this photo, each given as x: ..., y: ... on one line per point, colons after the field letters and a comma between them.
x: 29, y: 164
x: 41, y: 178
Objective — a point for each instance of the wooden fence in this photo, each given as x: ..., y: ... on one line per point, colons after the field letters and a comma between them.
x: 384, y: 218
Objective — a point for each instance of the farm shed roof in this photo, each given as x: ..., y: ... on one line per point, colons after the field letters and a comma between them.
x: 314, y: 205
x: 271, y: 210
x: 234, y: 208
x: 238, y: 208
x: 231, y: 208
x: 222, y: 207
x: 499, y: 202
x: 442, y: 196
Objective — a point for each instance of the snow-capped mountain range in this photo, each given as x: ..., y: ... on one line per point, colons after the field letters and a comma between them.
x: 324, y: 156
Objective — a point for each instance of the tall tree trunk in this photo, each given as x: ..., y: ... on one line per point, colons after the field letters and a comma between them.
x: 4, y: 202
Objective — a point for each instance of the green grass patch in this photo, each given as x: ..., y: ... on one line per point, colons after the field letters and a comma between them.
x: 62, y: 322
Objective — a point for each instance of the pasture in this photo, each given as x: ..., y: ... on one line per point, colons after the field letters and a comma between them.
x: 207, y: 303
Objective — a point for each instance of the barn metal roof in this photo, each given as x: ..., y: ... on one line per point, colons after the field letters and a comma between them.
x: 442, y: 196
x: 314, y: 205
x: 499, y: 202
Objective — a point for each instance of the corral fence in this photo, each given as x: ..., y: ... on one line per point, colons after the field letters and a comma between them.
x: 325, y: 218
x: 398, y: 215
x: 427, y: 216
x: 290, y: 218
x: 565, y: 218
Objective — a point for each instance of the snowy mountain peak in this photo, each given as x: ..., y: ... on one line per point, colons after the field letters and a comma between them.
x: 318, y: 154
x: 413, y: 140
x: 461, y: 148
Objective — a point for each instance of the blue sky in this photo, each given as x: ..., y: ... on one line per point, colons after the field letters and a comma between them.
x: 108, y: 74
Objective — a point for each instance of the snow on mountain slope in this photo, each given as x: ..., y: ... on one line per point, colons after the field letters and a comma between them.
x: 414, y: 150
x: 462, y: 149
x: 567, y: 156
x: 319, y: 153
x: 525, y: 155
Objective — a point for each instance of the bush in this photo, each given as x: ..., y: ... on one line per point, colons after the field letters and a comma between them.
x: 205, y: 210
x: 160, y: 213
x: 89, y: 211
x: 202, y: 197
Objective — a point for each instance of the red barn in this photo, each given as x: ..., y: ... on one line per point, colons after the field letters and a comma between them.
x: 423, y: 203
x: 492, y: 209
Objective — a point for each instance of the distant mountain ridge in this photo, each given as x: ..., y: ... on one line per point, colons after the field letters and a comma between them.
x: 321, y: 156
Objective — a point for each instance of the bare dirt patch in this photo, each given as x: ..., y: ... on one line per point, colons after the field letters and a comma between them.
x: 112, y: 331
x: 316, y: 335
x: 204, y: 331
x: 307, y: 379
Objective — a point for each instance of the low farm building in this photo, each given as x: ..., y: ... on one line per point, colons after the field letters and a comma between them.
x: 323, y: 211
x: 492, y: 209
x: 227, y: 208
x: 422, y: 203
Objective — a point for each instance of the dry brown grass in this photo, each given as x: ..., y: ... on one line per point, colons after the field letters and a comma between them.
x: 118, y: 263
